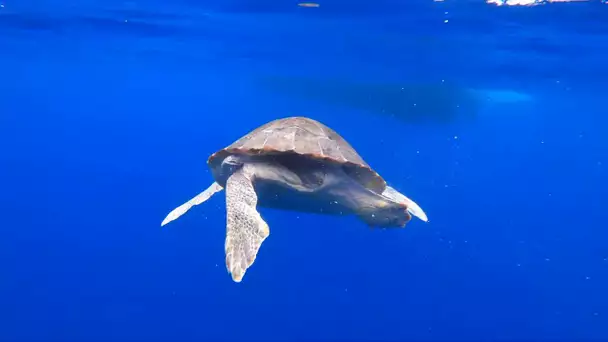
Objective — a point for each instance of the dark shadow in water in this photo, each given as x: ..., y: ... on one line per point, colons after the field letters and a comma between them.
x: 25, y: 22
x: 112, y: 23
x: 430, y: 102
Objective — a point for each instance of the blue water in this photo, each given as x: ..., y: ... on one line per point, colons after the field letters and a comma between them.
x: 109, y: 110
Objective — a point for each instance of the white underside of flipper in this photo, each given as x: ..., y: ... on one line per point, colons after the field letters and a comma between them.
x: 413, y: 208
x: 198, y: 199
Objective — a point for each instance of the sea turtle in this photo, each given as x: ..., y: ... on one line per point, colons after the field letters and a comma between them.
x: 298, y: 164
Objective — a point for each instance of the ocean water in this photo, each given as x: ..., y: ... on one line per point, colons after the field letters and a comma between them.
x: 492, y: 118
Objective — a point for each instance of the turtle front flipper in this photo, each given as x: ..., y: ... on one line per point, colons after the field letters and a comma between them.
x: 245, y: 228
x: 198, y: 199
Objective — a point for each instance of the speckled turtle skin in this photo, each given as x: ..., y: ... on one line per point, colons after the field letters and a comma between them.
x: 306, y: 138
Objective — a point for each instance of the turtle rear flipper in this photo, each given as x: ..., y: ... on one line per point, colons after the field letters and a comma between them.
x: 245, y: 228
x: 198, y: 199
x: 412, y: 207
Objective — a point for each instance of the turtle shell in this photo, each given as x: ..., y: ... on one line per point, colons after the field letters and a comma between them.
x: 306, y: 138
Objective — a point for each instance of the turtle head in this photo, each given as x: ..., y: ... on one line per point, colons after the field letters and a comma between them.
x: 229, y: 165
